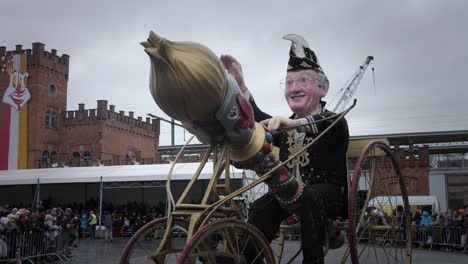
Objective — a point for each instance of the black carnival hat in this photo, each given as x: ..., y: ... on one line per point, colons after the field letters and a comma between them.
x: 301, y: 57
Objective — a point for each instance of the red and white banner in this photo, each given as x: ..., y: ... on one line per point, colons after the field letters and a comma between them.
x: 13, y: 113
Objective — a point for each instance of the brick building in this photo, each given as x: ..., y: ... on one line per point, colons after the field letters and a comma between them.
x: 414, y: 167
x: 38, y: 131
x: 113, y: 138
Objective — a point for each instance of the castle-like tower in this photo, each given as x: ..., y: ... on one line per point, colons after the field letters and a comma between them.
x: 37, y: 130
x: 48, y: 78
x: 103, y: 134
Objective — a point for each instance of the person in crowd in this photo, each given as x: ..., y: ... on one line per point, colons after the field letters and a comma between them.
x: 11, y: 225
x: 51, y: 233
x: 92, y: 222
x: 425, y: 225
x: 108, y: 223
x: 417, y: 217
x: 83, y: 225
x: 50, y: 226
x: 457, y: 225
x: 435, y: 230
x: 446, y: 223
x: 4, y: 247
x: 463, y: 240
x: 22, y: 219
x: 71, y: 225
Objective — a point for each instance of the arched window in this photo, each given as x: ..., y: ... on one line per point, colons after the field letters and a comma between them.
x: 76, y: 155
x: 47, y: 118
x: 45, y: 157
x: 86, y: 156
x: 51, y: 119
x: 53, y: 156
x: 52, y: 90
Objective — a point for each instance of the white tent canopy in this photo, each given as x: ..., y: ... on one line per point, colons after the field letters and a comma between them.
x: 413, y: 200
x: 127, y: 173
x: 107, y: 174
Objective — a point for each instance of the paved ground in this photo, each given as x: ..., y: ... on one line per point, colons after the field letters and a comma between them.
x: 100, y: 251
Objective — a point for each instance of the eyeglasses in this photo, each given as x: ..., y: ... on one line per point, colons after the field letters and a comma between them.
x: 302, y: 82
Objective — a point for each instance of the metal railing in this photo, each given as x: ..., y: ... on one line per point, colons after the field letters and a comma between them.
x: 443, y: 237
x: 36, y: 245
x: 453, y: 238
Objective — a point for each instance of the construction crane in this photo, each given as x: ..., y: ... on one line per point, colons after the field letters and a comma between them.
x: 351, y: 86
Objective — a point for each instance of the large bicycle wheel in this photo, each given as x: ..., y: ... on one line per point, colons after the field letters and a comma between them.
x: 379, y: 224
x: 143, y: 244
x: 227, y: 241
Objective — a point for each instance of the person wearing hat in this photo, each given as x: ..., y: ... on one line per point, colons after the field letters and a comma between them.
x: 321, y: 169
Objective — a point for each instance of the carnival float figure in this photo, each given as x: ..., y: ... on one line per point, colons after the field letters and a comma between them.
x: 190, y: 84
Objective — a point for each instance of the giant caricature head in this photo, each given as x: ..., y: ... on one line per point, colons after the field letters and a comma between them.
x: 17, y: 94
x: 305, y: 82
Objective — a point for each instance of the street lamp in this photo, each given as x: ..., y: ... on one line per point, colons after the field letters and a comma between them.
x: 170, y: 122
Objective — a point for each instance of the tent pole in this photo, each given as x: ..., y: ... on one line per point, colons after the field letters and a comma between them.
x: 100, y: 201
x: 36, y: 196
x: 38, y: 193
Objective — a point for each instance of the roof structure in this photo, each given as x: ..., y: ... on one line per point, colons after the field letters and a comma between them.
x: 412, y: 200
x: 421, y: 137
x: 458, y: 136
x: 127, y: 173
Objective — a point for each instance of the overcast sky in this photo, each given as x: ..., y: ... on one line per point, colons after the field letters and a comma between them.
x: 420, y: 50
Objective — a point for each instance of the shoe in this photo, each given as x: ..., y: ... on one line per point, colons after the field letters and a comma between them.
x: 313, y: 260
x: 336, y: 239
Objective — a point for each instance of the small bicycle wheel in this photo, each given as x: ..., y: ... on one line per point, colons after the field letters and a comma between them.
x: 144, y: 243
x: 227, y: 241
x: 379, y: 224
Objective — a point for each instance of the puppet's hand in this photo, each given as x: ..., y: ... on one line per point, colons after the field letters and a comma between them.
x: 235, y: 69
x: 278, y: 122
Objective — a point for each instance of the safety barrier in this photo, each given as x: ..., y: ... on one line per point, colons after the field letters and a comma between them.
x: 443, y: 237
x: 36, y: 245
x: 291, y: 232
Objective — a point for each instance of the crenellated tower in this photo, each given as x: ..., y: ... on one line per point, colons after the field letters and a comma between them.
x: 45, y: 78
x: 103, y: 134
x: 48, y: 86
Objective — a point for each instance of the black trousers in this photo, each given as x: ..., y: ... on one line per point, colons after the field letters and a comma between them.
x: 319, y: 202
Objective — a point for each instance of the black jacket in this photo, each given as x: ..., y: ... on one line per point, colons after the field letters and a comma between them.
x: 325, y: 161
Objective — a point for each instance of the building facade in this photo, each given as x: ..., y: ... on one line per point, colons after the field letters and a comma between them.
x: 103, y: 135
x: 37, y: 131
x: 431, y: 163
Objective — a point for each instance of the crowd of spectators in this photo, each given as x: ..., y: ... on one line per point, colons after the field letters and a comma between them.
x: 25, y: 231
x: 446, y: 230
x: 67, y: 224
x: 82, y: 221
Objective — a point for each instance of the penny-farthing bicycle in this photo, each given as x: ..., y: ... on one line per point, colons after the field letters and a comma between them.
x: 378, y: 225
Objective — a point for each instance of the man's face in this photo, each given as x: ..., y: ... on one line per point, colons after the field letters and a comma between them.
x: 302, y: 92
